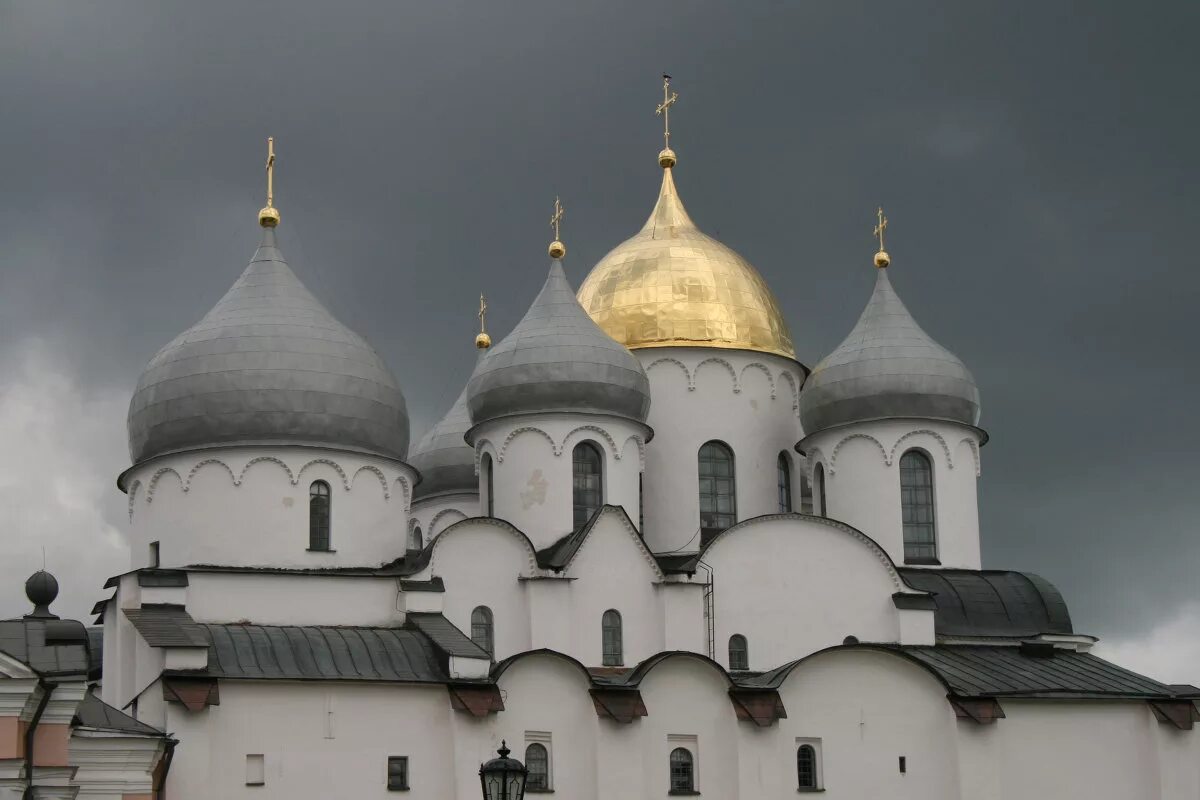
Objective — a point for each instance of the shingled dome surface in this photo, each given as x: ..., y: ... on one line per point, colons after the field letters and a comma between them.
x: 267, y: 365
x: 444, y: 459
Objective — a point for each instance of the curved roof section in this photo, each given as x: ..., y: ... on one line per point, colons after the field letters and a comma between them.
x: 557, y: 360
x: 991, y: 602
x: 267, y: 365
x: 443, y: 457
x: 887, y: 367
x: 671, y: 285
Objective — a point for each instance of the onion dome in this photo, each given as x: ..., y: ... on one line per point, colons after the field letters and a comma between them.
x: 887, y: 367
x: 558, y: 360
x: 673, y: 286
x: 443, y: 457
x: 267, y: 365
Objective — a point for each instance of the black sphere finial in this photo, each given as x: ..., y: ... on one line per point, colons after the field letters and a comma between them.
x: 41, y: 589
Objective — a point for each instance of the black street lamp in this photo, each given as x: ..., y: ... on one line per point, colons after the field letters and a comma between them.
x: 503, y: 778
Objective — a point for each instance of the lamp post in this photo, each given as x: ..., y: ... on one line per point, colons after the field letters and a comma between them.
x: 503, y: 778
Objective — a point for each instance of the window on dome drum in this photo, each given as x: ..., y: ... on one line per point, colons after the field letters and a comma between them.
x: 397, y: 777
x: 318, y: 516
x: 587, y: 483
x: 808, y: 772
x: 416, y: 539
x: 806, y: 494
x: 537, y: 761
x: 916, y: 499
x: 739, y: 653
x: 683, y: 777
x: 482, y: 630
x: 718, y: 492
x: 784, y: 470
x: 819, y: 490
x: 486, y: 466
x: 610, y: 625
x: 155, y: 549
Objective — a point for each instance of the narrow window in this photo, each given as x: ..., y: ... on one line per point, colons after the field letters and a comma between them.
x: 819, y: 490
x: 482, y: 631
x: 916, y: 499
x: 486, y: 465
x: 587, y: 484
x: 683, y: 778
x: 641, y: 507
x: 256, y: 770
x: 154, y: 554
x: 318, y: 516
x: 806, y: 494
x: 806, y: 766
x: 739, y: 653
x: 416, y: 540
x: 784, y: 471
x: 614, y: 655
x: 397, y: 777
x: 718, y: 501
x: 537, y: 761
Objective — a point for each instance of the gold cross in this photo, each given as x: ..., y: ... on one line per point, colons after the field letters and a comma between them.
x: 557, y: 217
x: 664, y: 109
x: 482, y: 314
x: 881, y: 227
x: 270, y: 171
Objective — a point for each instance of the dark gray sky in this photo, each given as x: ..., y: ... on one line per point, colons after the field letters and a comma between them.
x: 1037, y: 162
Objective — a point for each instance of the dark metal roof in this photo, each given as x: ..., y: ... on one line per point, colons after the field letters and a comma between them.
x: 277, y: 652
x: 677, y: 563
x: 991, y: 602
x: 166, y: 626
x: 434, y: 584
x: 162, y: 577
x: 49, y: 647
x: 92, y: 712
x: 445, y: 636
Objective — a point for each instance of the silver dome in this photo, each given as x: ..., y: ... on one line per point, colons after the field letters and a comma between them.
x: 887, y: 367
x: 558, y: 359
x: 444, y: 459
x: 268, y: 364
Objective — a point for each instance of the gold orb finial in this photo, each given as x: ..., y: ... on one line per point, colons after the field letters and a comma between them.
x: 483, y: 341
x: 557, y: 248
x: 666, y: 158
x: 268, y: 216
x: 882, y: 259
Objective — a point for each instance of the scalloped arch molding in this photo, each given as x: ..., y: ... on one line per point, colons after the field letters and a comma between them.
x: 736, y: 378
x: 888, y: 454
x: 559, y: 447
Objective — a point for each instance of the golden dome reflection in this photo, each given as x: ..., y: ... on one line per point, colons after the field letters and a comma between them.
x: 673, y: 286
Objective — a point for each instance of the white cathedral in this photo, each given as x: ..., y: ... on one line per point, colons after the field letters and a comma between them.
x: 646, y: 547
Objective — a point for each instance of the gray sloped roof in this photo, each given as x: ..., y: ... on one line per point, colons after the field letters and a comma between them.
x: 991, y: 602
x: 445, y: 636
x: 57, y: 648
x: 166, y: 626
x: 268, y: 363
x: 558, y: 360
x: 887, y: 367
x: 92, y: 712
x: 287, y: 652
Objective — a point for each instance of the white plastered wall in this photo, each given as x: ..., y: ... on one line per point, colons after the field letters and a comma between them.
x: 745, y: 399
x: 862, y: 481
x: 435, y: 514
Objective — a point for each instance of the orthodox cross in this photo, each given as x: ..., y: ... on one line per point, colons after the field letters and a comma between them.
x: 881, y: 227
x: 557, y: 217
x: 664, y: 110
x: 270, y: 171
x: 482, y: 314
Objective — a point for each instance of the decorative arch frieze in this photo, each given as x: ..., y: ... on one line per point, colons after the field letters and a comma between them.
x: 737, y: 386
x: 612, y: 445
x: 133, y: 490
x: 945, y: 447
x: 405, y: 491
x: 484, y: 446
x: 494, y: 522
x: 445, y: 512
x: 765, y: 370
x: 292, y: 478
x: 814, y: 456
x: 687, y: 374
x: 387, y: 495
x: 329, y: 463
x: 971, y: 443
x: 832, y: 465
x: 201, y: 464
x: 641, y: 447
x: 526, y: 429
x: 153, y: 485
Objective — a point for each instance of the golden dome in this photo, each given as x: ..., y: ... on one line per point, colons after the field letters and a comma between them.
x: 673, y: 286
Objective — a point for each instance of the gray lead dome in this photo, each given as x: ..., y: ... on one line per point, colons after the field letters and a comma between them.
x: 558, y: 359
x: 888, y: 367
x: 267, y: 365
x: 444, y: 459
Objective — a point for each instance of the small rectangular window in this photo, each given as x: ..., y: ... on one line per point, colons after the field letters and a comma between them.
x: 903, y: 765
x: 154, y: 554
x: 397, y: 777
x: 256, y: 770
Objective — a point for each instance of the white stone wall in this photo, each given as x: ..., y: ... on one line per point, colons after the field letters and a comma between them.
x: 434, y: 514
x: 248, y: 506
x: 747, y: 400
x: 862, y: 481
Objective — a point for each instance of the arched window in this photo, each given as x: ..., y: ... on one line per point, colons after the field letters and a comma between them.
x: 610, y: 629
x: 806, y: 494
x: 587, y: 489
x: 318, y: 516
x: 739, y: 653
x: 718, y: 493
x: 537, y: 761
x: 416, y: 540
x: 806, y: 766
x: 916, y: 500
x: 683, y: 778
x: 784, y: 470
x: 488, y: 485
x: 482, y: 630
x: 819, y: 490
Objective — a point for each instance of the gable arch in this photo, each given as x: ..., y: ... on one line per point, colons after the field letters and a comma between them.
x: 495, y: 522
x: 645, y: 667
x: 503, y: 666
